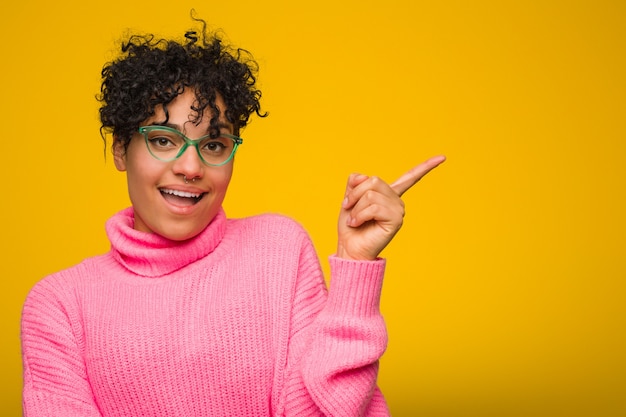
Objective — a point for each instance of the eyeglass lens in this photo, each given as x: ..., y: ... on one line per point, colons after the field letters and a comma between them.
x: 168, y: 145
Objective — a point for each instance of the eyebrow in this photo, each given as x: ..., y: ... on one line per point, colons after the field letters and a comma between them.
x: 220, y: 125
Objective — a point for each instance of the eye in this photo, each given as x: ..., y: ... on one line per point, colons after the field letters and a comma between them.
x: 215, y: 146
x: 164, y: 140
x: 161, y: 141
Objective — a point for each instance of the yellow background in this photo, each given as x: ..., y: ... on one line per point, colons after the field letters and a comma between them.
x: 505, y: 289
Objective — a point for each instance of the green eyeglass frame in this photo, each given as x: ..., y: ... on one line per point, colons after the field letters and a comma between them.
x: 145, y: 130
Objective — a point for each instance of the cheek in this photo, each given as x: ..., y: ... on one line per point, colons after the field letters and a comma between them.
x: 141, y: 172
x: 222, y: 179
x: 137, y: 173
x: 134, y: 159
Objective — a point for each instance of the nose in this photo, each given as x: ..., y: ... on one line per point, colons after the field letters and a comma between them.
x: 189, y: 164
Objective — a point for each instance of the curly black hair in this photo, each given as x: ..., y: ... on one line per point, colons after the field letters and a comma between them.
x: 152, y: 72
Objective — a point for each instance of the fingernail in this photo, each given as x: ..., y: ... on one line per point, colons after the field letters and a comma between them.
x: 344, y: 204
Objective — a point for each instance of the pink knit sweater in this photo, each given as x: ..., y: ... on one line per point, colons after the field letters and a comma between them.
x: 234, y: 322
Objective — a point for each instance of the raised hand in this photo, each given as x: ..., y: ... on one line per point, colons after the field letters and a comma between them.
x: 372, y: 211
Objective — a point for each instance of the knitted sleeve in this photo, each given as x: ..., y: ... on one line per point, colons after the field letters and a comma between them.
x: 337, y: 338
x: 55, y: 379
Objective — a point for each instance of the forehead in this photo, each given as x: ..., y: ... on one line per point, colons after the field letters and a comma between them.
x: 181, y: 114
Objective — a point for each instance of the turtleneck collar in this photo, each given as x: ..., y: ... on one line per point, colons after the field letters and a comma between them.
x: 152, y: 255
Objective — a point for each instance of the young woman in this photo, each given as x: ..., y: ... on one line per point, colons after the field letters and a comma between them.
x: 192, y: 313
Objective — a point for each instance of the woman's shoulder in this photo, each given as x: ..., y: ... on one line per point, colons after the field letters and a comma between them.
x: 66, y: 280
x: 269, y: 226
x: 265, y: 221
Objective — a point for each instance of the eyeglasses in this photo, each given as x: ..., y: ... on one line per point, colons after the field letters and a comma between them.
x: 167, y: 144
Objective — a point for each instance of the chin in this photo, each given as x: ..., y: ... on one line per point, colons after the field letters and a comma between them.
x: 182, y: 234
x: 181, y: 229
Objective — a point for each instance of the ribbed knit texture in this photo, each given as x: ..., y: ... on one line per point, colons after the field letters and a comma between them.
x: 234, y: 322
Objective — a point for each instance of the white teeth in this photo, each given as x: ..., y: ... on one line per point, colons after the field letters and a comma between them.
x: 180, y: 193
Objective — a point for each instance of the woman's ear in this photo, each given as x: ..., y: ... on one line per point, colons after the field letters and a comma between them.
x: 119, y: 155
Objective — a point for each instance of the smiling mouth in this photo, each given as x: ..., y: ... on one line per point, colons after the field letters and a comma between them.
x: 181, y: 198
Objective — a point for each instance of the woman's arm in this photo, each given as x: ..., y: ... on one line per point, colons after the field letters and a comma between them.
x: 55, y: 379
x: 336, y: 339
x: 336, y: 344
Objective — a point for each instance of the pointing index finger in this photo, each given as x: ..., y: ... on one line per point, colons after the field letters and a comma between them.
x: 410, y: 178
